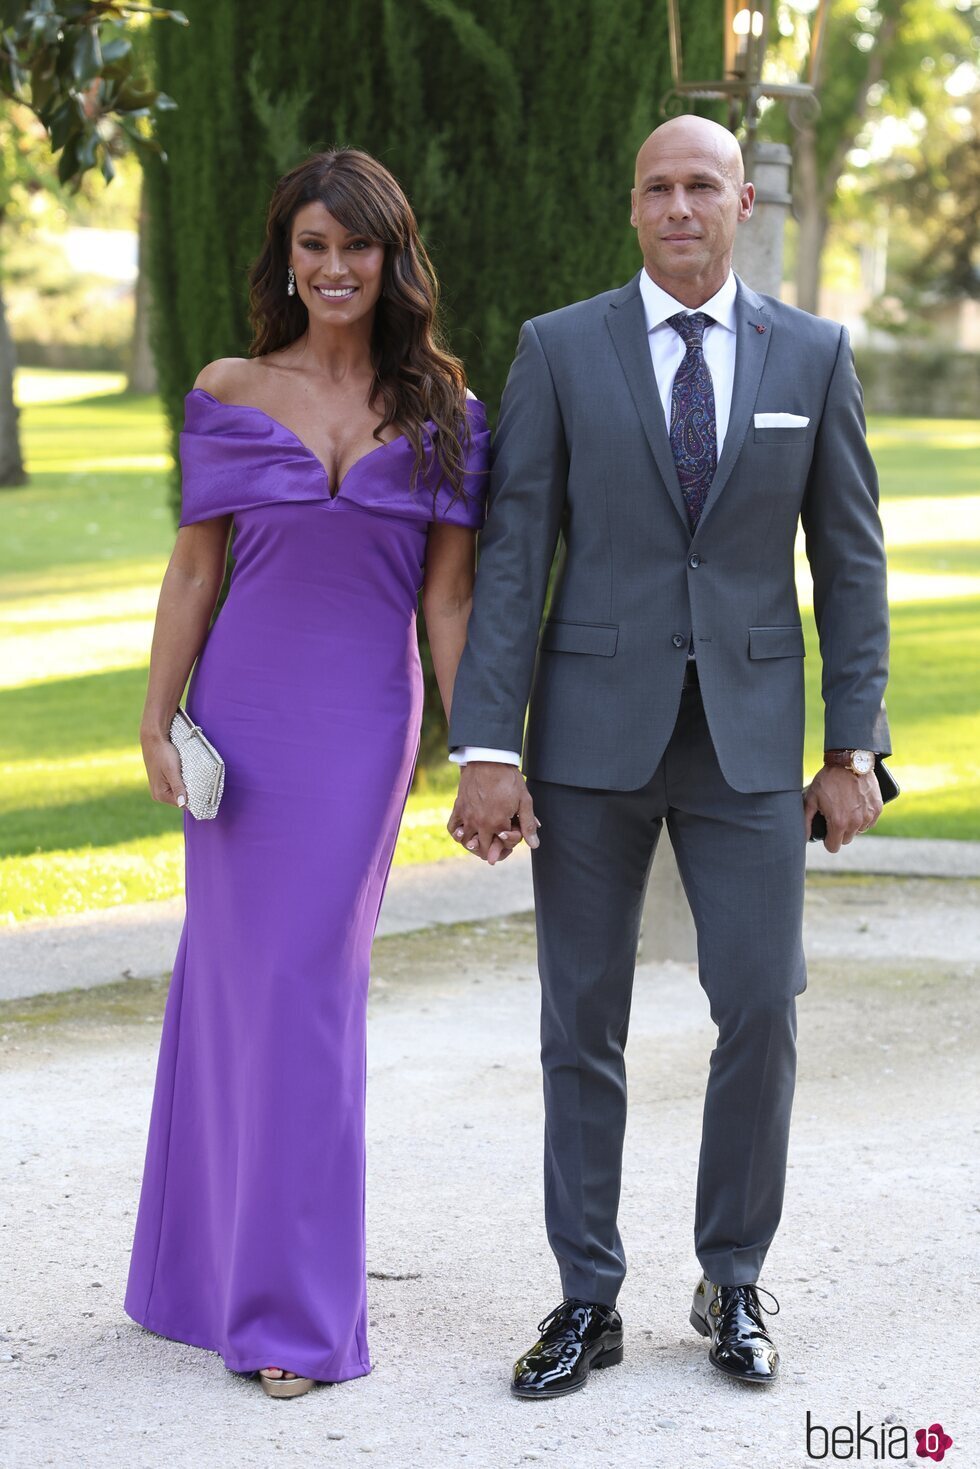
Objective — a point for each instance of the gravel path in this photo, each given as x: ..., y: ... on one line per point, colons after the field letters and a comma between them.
x: 138, y: 940
x: 875, y: 1265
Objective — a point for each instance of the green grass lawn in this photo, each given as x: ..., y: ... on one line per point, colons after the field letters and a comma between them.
x: 930, y: 507
x: 82, y: 551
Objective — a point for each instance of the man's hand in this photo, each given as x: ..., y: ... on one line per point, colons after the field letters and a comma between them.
x: 493, y: 811
x: 850, y: 804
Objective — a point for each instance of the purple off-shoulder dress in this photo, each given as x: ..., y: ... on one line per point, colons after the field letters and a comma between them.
x: 250, y: 1233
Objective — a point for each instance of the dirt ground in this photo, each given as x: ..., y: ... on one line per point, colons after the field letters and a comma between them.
x: 875, y: 1265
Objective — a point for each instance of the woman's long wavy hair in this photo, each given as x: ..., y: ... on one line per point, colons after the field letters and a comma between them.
x: 416, y: 379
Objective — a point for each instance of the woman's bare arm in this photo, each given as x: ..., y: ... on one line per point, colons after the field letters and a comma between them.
x: 188, y: 595
x: 447, y: 597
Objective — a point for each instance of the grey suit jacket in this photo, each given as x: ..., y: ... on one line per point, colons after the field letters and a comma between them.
x: 582, y: 455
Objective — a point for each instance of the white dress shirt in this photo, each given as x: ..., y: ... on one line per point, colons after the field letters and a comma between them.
x: 667, y: 346
x: 667, y: 353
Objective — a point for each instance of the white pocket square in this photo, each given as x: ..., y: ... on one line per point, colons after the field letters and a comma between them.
x: 780, y: 420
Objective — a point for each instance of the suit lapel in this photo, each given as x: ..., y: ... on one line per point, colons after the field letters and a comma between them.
x: 751, y: 348
x: 627, y: 325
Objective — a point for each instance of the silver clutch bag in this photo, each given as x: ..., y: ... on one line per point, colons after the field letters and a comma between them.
x: 201, y: 767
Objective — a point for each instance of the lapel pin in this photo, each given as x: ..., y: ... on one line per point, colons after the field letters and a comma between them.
x: 759, y: 327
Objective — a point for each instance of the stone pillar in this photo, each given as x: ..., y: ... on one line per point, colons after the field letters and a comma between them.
x: 759, y: 241
x: 668, y: 929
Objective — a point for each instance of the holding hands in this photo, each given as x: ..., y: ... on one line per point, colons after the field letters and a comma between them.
x: 493, y: 811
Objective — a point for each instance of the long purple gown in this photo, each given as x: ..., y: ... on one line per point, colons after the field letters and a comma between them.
x: 250, y: 1232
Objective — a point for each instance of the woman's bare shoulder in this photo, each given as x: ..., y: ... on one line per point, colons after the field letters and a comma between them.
x: 226, y: 376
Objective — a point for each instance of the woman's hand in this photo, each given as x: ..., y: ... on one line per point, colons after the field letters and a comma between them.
x: 163, y: 770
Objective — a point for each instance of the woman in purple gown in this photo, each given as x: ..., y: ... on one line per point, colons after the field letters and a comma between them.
x: 350, y: 460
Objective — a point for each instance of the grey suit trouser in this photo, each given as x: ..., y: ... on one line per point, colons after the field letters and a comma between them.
x: 741, y: 859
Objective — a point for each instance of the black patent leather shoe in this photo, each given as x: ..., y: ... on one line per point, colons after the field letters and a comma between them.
x: 731, y: 1315
x: 577, y: 1336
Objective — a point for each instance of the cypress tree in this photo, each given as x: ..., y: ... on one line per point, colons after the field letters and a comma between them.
x: 512, y: 128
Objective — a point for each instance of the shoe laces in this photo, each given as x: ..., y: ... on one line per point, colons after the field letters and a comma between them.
x: 562, y: 1309
x: 748, y: 1296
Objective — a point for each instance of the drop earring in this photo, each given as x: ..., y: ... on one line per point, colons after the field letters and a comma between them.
x: 290, y: 282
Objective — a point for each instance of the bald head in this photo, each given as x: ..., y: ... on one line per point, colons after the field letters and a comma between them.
x: 689, y: 197
x: 687, y: 136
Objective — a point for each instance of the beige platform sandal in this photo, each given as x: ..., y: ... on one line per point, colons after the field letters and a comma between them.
x: 284, y: 1387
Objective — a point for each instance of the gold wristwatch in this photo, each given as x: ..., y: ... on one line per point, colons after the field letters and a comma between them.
x: 858, y: 762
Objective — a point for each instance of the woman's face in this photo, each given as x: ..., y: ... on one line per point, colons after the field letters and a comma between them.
x: 338, y: 274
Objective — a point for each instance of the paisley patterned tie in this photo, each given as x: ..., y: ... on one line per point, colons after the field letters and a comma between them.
x: 692, y: 415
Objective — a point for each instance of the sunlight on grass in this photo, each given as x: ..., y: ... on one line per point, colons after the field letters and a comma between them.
x: 924, y: 433
x: 50, y: 653
x: 934, y: 713
x: 50, y: 385
x: 55, y: 883
x: 95, y: 464
x: 59, y: 882
x: 919, y: 586
x: 961, y: 558
x: 933, y: 550
x: 931, y: 520
x: 923, y: 778
x: 83, y: 548
x: 925, y: 457
x: 49, y: 641
x: 85, y: 579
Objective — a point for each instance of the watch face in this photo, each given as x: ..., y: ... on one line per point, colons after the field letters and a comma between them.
x: 862, y: 762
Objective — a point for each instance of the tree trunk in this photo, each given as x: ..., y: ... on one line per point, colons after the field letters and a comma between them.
x: 811, y: 212
x: 813, y: 193
x: 12, y: 471
x: 142, y: 368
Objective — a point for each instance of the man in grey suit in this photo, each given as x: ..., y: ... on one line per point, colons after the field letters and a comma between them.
x: 670, y: 436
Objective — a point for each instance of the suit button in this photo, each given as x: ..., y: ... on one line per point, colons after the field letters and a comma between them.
x: 694, y: 561
x: 678, y: 641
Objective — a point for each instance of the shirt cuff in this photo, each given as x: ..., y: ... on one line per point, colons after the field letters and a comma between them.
x: 463, y: 754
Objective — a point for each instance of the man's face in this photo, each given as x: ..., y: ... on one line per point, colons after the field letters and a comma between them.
x: 687, y: 203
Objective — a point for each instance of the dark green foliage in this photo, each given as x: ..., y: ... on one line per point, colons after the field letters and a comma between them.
x: 74, y: 66
x: 512, y: 126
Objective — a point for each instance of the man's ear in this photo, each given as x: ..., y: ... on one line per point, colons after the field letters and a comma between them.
x: 746, y: 201
x: 633, y: 208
